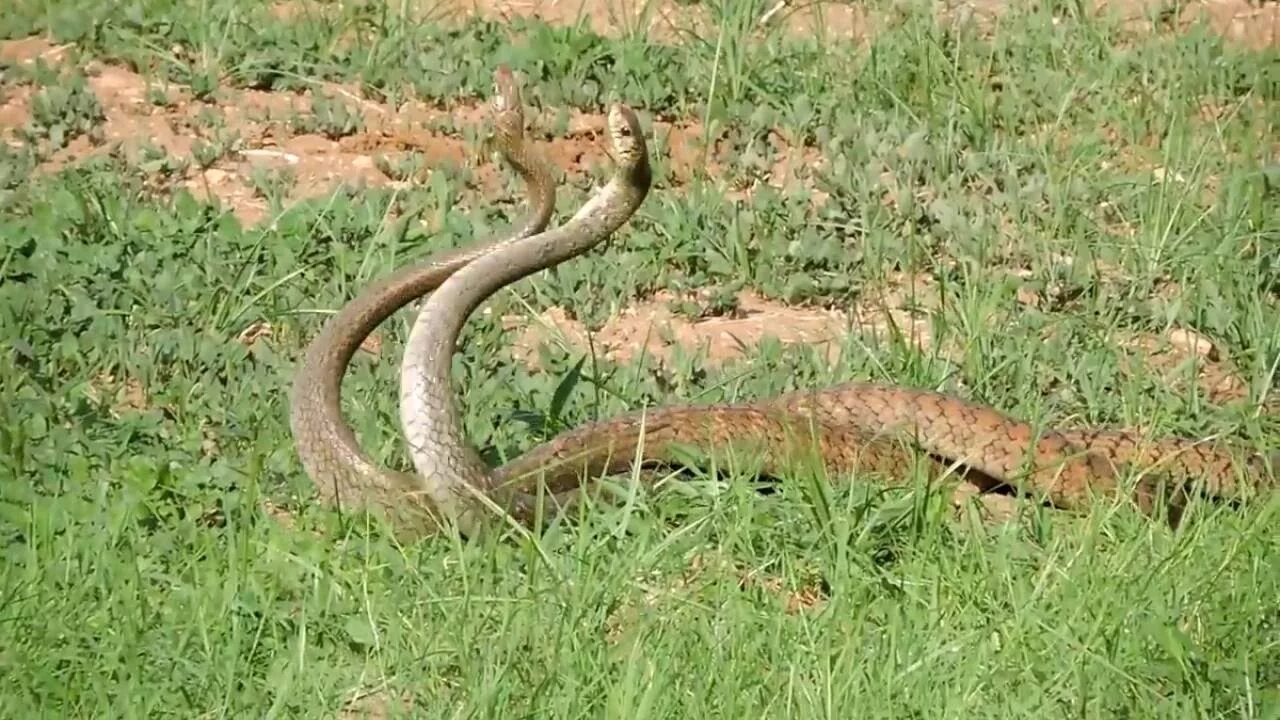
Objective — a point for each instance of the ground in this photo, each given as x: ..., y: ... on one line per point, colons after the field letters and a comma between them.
x: 1068, y: 213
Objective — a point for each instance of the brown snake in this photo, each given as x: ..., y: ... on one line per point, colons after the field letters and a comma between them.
x: 856, y: 427
x: 340, y: 469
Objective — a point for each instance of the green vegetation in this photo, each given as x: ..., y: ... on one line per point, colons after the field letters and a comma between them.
x: 63, y: 110
x: 140, y: 438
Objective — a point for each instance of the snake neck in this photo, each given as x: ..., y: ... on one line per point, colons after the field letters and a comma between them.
x: 327, y: 445
x: 449, y: 466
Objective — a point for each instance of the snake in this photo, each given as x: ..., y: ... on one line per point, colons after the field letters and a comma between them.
x: 342, y: 472
x: 854, y: 427
x: 456, y: 479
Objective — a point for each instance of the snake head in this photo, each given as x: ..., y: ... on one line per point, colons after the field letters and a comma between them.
x: 507, y: 107
x: 506, y: 90
x: 629, y: 150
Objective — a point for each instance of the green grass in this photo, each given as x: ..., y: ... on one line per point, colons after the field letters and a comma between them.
x: 142, y: 578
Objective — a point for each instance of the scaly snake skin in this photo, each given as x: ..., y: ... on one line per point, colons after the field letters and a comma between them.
x: 340, y: 469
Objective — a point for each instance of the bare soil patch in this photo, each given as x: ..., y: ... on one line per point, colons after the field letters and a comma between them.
x: 900, y: 309
x: 260, y: 134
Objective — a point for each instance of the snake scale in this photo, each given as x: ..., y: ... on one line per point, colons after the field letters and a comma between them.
x: 852, y: 427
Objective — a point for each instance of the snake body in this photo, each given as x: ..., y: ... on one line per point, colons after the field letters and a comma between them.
x: 851, y: 428
x: 864, y: 427
x: 451, y: 468
x: 341, y: 470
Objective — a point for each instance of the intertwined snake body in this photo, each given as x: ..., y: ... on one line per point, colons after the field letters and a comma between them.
x: 341, y: 470
x: 852, y: 427
x: 454, y: 473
